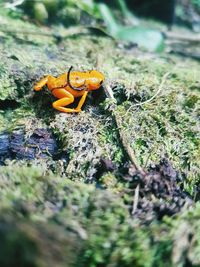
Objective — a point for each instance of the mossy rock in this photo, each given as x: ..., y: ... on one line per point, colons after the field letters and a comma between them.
x: 51, y: 215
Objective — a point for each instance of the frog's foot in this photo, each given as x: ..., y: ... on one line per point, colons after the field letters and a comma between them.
x: 69, y: 110
x: 77, y: 110
x: 39, y: 85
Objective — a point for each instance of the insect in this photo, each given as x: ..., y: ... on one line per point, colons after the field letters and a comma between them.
x: 71, y: 85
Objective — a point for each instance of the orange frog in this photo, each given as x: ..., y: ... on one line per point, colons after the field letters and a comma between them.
x: 70, y: 85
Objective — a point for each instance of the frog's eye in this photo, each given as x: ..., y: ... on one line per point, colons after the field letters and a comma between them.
x: 101, y: 82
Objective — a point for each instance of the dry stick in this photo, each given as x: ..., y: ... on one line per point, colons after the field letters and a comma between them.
x: 159, y: 89
x: 109, y: 93
x: 136, y: 199
x: 125, y: 143
x: 123, y: 137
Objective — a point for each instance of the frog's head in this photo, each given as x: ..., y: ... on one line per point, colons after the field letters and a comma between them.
x: 94, y: 80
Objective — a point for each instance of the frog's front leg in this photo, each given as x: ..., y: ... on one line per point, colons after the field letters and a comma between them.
x: 41, y: 83
x: 82, y: 101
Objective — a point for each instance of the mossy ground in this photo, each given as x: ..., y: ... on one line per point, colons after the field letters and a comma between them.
x: 59, y: 222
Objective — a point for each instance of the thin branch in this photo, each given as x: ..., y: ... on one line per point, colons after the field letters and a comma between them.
x: 136, y: 199
x: 159, y: 89
x: 123, y: 136
x: 109, y: 92
x: 126, y: 145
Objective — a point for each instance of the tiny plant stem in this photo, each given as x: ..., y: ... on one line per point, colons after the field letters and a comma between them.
x: 123, y: 136
x: 136, y: 199
x: 165, y: 76
x: 109, y: 92
x: 126, y: 145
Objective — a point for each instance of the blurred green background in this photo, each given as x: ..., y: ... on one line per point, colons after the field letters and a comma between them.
x: 131, y: 21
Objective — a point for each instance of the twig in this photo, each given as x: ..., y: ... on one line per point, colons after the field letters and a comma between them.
x: 124, y: 140
x: 123, y: 136
x: 125, y: 143
x: 159, y: 89
x: 136, y: 199
x: 109, y: 92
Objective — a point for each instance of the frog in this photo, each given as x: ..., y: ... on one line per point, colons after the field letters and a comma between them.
x: 70, y: 85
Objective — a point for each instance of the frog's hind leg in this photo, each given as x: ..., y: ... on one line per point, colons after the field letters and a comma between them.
x: 41, y: 83
x: 59, y: 104
x: 66, y: 98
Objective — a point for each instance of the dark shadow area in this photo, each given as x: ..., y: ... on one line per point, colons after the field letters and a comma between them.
x: 8, y: 104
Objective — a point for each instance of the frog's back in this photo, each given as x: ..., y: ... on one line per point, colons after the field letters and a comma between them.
x: 58, y: 82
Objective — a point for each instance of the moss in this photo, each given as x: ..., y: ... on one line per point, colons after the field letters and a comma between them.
x: 46, y: 213
x: 166, y: 125
x: 14, y: 241
x: 79, y: 134
x: 36, y: 244
x: 110, y: 142
x: 42, y: 205
x: 109, y: 180
x: 186, y: 238
x: 87, y: 226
